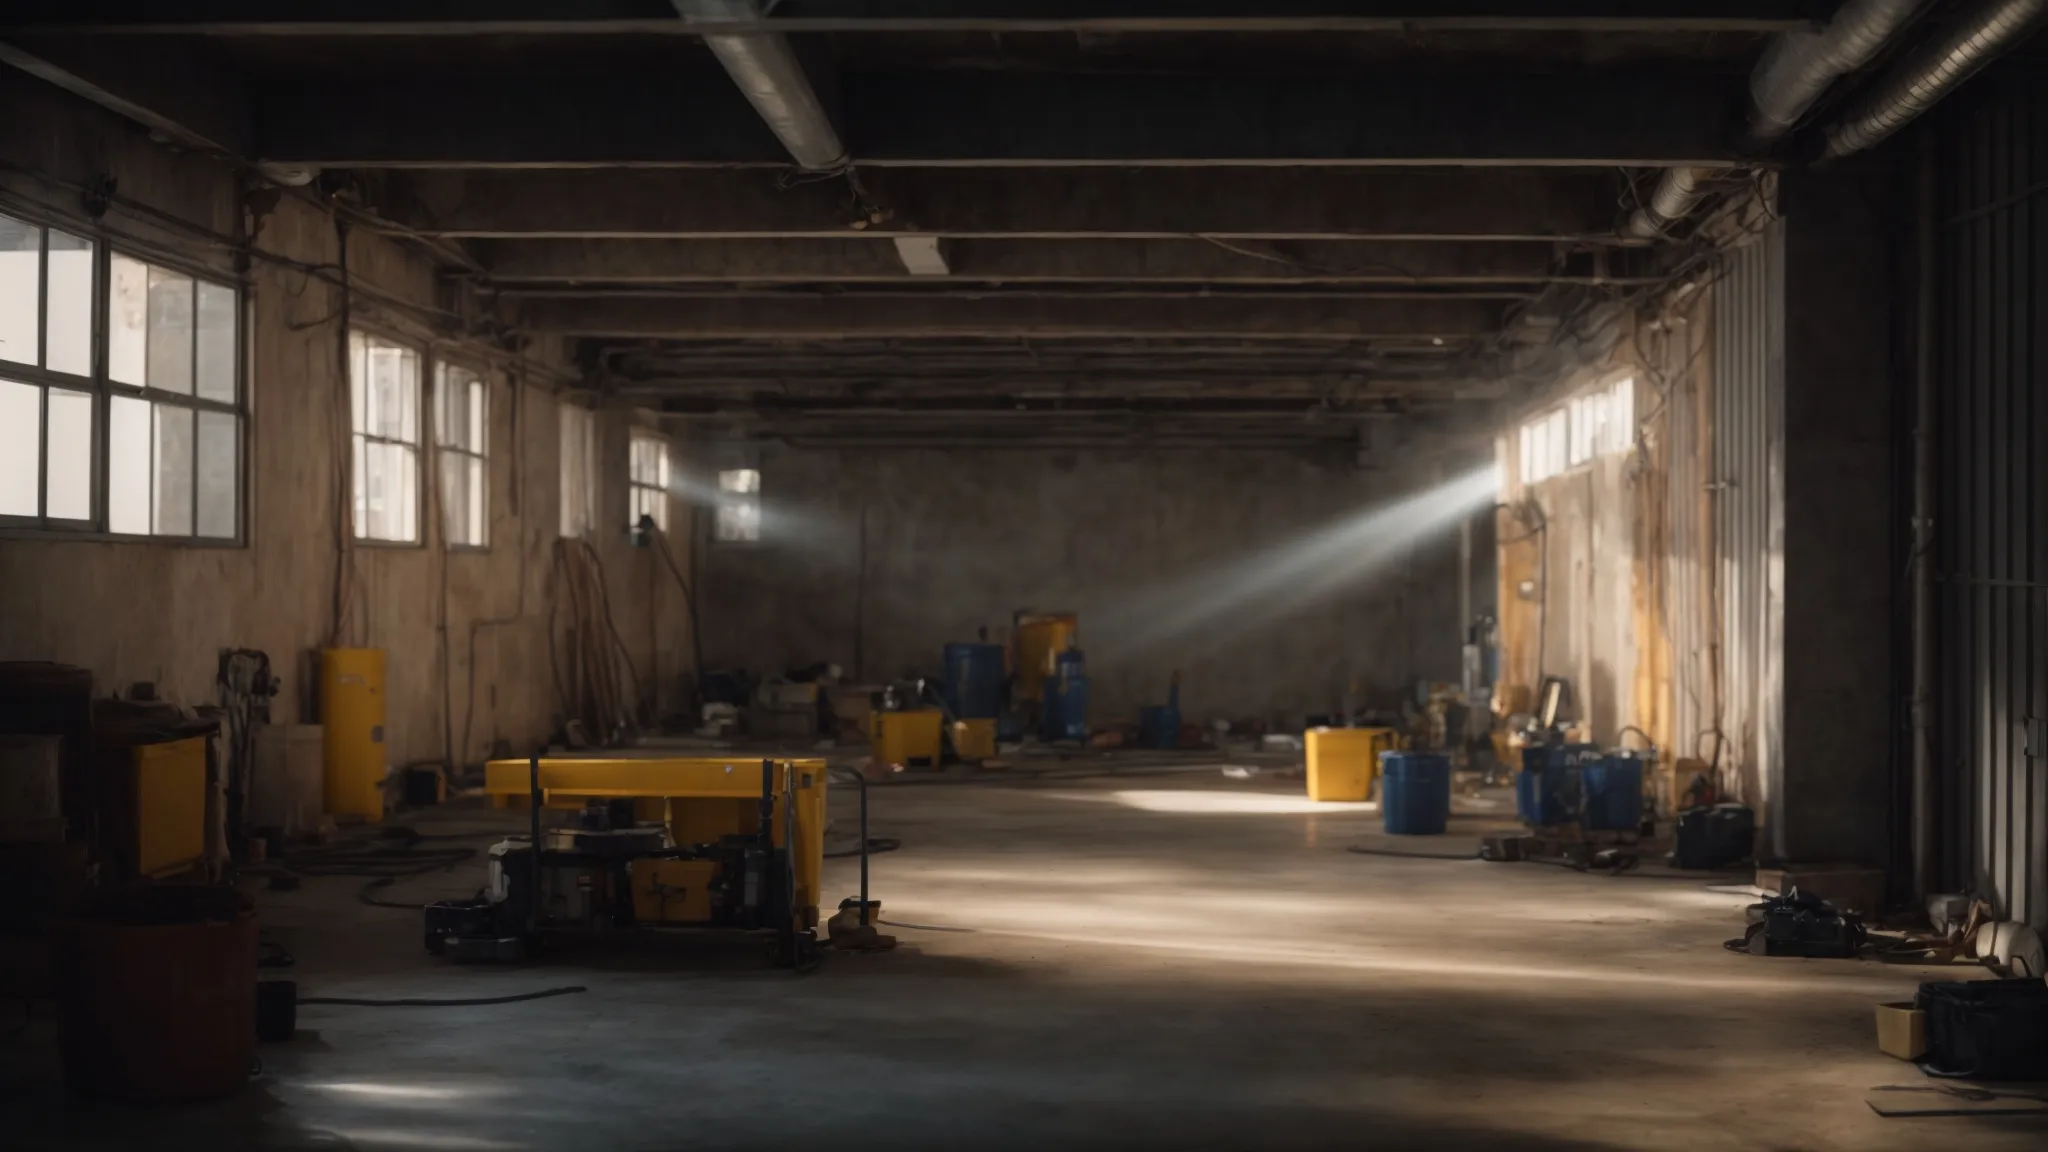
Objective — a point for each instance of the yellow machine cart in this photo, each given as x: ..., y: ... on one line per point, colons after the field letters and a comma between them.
x: 700, y: 799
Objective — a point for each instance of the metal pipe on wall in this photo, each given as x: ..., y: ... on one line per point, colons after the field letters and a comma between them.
x: 1962, y: 50
x: 1795, y: 70
x: 1922, y: 704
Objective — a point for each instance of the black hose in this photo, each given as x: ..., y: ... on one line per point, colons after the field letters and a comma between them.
x: 875, y: 844
x: 1398, y: 854
x: 470, y: 1002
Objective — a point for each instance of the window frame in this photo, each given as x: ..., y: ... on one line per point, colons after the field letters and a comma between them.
x: 588, y: 484
x: 482, y: 455
x: 634, y: 485
x: 423, y: 415
x: 101, y: 389
x: 1577, y: 431
x: 729, y: 497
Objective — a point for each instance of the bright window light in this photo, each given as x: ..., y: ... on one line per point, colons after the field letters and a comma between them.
x: 739, y: 504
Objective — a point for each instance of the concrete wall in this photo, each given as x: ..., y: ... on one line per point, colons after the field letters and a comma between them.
x: 1146, y: 546
x: 144, y: 611
x: 1843, y: 566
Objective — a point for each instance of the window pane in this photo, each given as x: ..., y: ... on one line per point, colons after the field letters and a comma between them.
x: 455, y: 497
x: 170, y: 332
x: 405, y: 466
x: 361, y: 521
x: 68, y: 480
x: 409, y: 397
x: 358, y: 391
x: 219, y: 445
x: 390, y: 487
x: 740, y: 480
x: 68, y: 347
x: 475, y: 442
x: 21, y: 291
x: 173, y: 471
x: 391, y: 404
x: 217, y: 317
x: 128, y: 459
x: 21, y: 447
x: 127, y: 320
x: 478, y: 526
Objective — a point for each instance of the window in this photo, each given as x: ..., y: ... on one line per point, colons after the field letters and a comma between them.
x: 461, y: 417
x: 173, y: 430
x: 648, y: 478
x: 579, y: 470
x: 46, y: 390
x: 739, y: 504
x: 1598, y: 423
x: 384, y: 400
x: 170, y: 391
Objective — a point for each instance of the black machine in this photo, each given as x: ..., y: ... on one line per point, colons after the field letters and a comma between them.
x: 579, y: 881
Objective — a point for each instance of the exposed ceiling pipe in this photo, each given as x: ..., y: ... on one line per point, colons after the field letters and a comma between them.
x: 1965, y: 46
x: 766, y: 69
x: 1795, y: 70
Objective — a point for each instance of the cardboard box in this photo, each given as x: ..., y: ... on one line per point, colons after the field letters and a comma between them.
x: 1901, y: 1030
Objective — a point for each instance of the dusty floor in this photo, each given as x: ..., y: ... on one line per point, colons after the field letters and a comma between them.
x: 1172, y: 961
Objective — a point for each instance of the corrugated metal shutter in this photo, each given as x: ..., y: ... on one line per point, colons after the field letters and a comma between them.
x: 1991, y: 290
x: 1749, y: 519
x: 1686, y: 617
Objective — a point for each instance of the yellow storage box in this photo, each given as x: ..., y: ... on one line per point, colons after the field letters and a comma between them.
x: 974, y: 739
x: 1343, y: 763
x: 906, y: 737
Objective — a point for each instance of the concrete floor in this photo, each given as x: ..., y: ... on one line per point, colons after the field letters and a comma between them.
x: 1170, y: 961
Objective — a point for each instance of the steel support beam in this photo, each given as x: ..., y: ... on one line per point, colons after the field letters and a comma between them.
x: 804, y: 318
x: 174, y: 90
x: 615, y: 17
x: 1135, y: 203
x: 532, y: 263
x: 925, y: 118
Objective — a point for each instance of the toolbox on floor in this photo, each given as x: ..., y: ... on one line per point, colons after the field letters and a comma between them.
x: 1343, y: 763
x: 1986, y: 1029
x: 1714, y: 837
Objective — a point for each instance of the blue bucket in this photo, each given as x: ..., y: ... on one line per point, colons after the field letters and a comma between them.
x: 1415, y: 793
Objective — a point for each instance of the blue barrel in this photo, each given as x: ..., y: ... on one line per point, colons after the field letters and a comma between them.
x: 1065, y: 714
x: 1612, y: 787
x: 974, y: 681
x: 1415, y: 793
x: 1548, y: 788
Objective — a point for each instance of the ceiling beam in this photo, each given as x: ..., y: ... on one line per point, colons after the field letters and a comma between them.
x: 614, y: 17
x: 801, y: 318
x: 520, y: 264
x: 173, y: 90
x: 1132, y: 203
x: 1581, y: 117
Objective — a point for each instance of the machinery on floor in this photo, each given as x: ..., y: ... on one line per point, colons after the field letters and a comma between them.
x: 648, y: 844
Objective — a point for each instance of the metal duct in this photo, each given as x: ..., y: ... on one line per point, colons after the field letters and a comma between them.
x: 1795, y: 70
x: 1799, y: 66
x: 766, y: 70
x: 1975, y: 39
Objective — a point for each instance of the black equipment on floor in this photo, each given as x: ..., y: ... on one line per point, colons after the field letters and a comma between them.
x: 1715, y: 837
x: 580, y: 881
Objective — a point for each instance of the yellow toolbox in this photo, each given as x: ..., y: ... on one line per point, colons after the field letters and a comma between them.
x: 170, y: 806
x: 974, y: 739
x: 906, y: 737
x: 1343, y: 763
